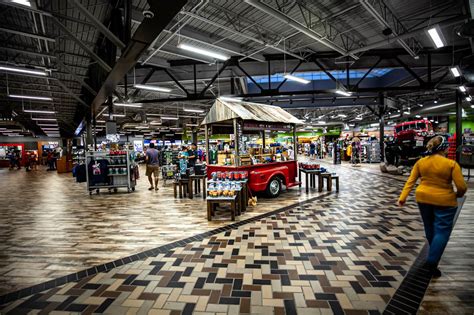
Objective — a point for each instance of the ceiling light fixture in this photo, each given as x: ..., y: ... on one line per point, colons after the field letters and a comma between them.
x: 204, y: 52
x: 31, y: 97
x: 229, y: 99
x: 462, y: 88
x: 439, y: 106
x: 155, y: 122
x: 23, y: 70
x: 468, y: 98
x: 344, y: 93
x: 152, y: 88
x: 406, y: 113
x: 22, y: 2
x: 296, y: 79
x: 341, y: 115
x: 128, y: 104
x: 192, y: 125
x: 192, y: 110
x: 418, y: 116
x: 455, y: 71
x: 45, y: 119
x: 48, y: 125
x: 435, y: 34
x: 39, y: 111
x: 169, y: 118
x: 321, y: 122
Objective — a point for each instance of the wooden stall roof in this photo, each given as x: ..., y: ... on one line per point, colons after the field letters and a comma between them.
x: 227, y: 110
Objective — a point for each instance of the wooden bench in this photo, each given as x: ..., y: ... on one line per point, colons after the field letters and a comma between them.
x: 212, y: 203
x: 182, y: 185
x: 336, y: 179
x: 328, y: 178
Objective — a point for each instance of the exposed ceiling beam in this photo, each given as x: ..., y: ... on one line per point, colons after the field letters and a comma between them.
x: 445, y: 23
x: 36, y: 36
x: 86, y: 48
x: 164, y: 11
x: 298, y: 26
x: 102, y: 28
x: 26, y: 52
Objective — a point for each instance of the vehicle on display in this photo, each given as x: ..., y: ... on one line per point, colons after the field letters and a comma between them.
x: 267, y: 177
x: 409, y: 142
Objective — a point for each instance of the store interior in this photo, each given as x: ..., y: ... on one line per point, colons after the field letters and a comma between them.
x: 226, y: 157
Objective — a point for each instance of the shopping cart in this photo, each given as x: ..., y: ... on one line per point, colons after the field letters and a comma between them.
x: 168, y: 172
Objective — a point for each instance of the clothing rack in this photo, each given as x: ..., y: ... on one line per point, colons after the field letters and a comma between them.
x: 111, y: 170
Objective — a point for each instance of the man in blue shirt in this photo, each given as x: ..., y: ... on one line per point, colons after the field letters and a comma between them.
x: 152, y: 166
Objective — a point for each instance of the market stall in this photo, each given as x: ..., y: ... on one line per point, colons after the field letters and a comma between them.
x: 268, y: 166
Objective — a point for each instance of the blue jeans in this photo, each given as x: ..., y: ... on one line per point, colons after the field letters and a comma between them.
x: 438, y: 222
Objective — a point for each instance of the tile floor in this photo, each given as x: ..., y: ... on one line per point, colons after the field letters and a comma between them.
x: 319, y: 254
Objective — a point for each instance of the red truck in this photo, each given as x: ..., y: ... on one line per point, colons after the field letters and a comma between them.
x: 267, y: 177
x: 409, y: 142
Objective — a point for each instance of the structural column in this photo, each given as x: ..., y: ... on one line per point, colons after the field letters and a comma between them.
x: 206, y: 136
x: 458, y: 124
x: 236, y: 144
x: 382, y: 127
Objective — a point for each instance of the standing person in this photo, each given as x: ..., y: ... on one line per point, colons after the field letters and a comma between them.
x: 183, y: 160
x: 152, y: 160
x: 436, y: 198
x: 193, y: 155
x: 291, y: 153
x: 312, y: 149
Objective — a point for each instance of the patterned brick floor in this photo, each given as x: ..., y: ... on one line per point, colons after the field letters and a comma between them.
x: 336, y: 253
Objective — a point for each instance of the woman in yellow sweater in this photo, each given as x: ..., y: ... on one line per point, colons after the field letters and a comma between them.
x: 436, y: 198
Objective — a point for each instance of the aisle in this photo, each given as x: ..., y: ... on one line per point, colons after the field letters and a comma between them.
x: 50, y: 227
x: 336, y: 252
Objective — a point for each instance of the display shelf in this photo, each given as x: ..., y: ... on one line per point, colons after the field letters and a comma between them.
x: 99, y: 163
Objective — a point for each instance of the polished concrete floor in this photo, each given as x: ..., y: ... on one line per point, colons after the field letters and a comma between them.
x: 316, y: 253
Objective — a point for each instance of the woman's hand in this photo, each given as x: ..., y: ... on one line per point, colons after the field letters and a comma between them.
x: 401, y: 203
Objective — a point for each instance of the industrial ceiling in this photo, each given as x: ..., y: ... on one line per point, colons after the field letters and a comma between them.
x: 367, y: 48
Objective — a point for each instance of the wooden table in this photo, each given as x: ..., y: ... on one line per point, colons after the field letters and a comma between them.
x: 212, y: 202
x: 310, y: 177
x: 197, y: 180
x: 244, y: 195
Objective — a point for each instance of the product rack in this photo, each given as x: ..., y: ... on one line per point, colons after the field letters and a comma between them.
x: 111, y: 171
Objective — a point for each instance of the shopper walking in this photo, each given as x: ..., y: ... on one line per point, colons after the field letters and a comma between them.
x: 436, y: 198
x: 152, y: 166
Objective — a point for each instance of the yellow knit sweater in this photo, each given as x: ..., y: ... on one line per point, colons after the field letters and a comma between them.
x: 437, y: 175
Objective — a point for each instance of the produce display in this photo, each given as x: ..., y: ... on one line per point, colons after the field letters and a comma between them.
x: 223, y: 189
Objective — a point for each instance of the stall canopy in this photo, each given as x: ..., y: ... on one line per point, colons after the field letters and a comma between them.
x: 223, y: 111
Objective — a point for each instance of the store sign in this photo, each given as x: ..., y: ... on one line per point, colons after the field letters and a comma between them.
x: 266, y: 126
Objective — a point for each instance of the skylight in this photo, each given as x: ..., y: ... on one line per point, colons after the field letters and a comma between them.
x: 320, y: 75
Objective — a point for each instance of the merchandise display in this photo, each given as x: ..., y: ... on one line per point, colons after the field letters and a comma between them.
x: 111, y: 170
x: 269, y: 169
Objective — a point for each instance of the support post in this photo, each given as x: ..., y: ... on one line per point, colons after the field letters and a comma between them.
x: 236, y: 143
x: 195, y: 79
x: 458, y: 124
x: 382, y: 126
x: 263, y: 139
x: 295, y: 145
x: 269, y: 75
x: 206, y: 136
x: 110, y: 108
